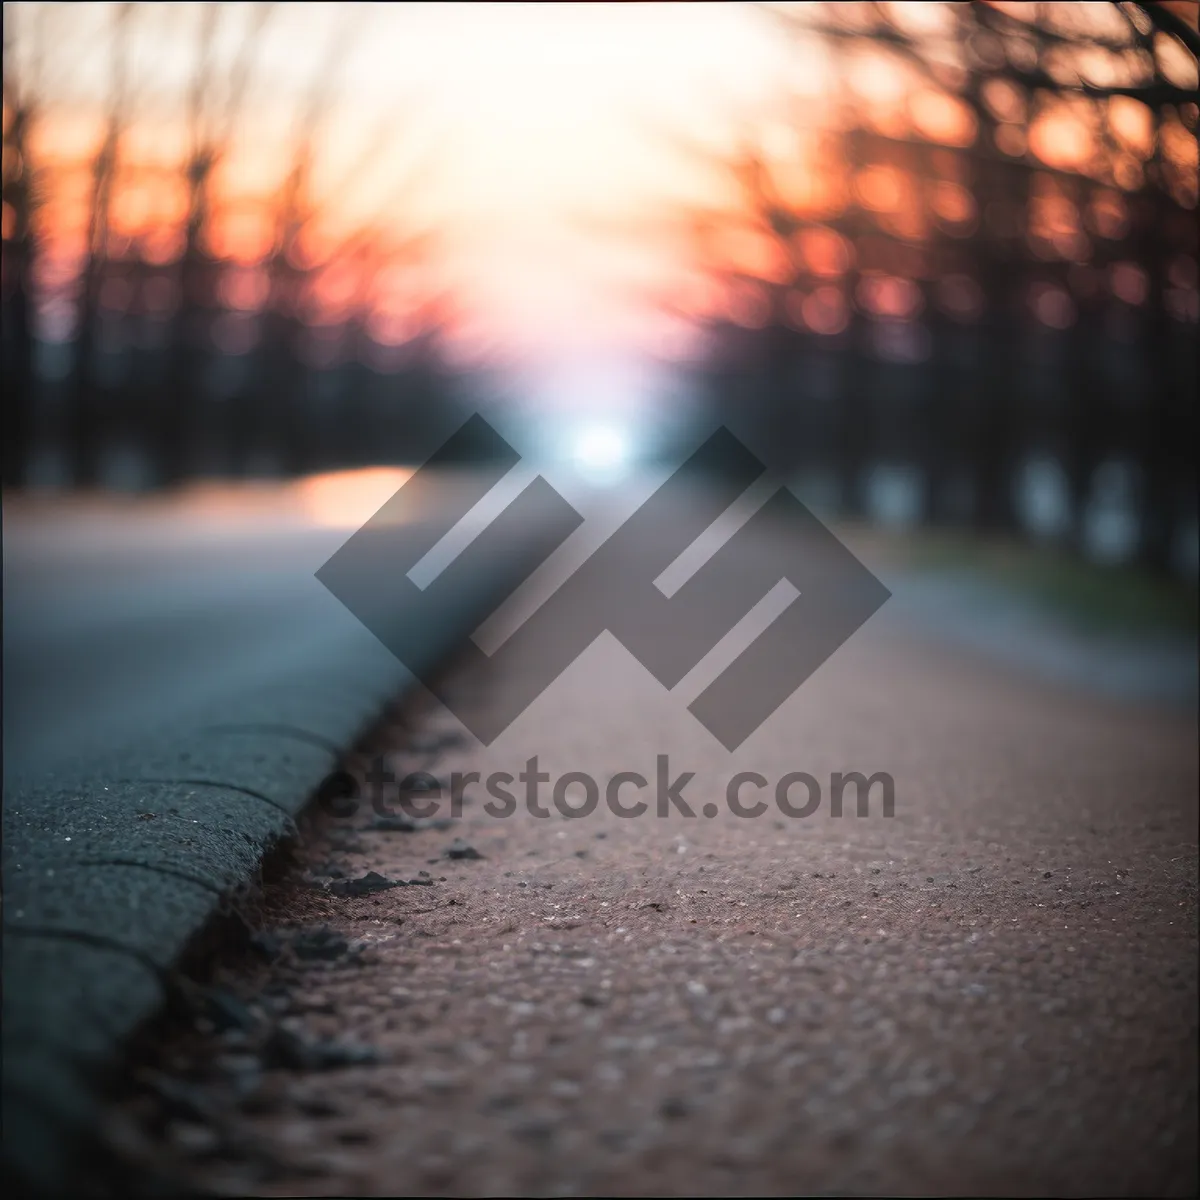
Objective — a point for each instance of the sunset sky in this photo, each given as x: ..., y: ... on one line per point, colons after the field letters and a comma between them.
x: 516, y: 126
x: 514, y: 129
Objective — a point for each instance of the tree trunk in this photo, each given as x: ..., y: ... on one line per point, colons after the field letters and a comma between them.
x: 19, y: 405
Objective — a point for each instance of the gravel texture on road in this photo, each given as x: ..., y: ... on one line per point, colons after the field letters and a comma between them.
x: 992, y: 991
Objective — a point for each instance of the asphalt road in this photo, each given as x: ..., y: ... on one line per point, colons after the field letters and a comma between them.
x: 118, y: 621
x: 177, y: 685
x: 989, y: 990
x: 122, y: 617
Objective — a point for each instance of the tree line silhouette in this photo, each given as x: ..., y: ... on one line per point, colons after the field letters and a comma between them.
x: 196, y: 361
x: 982, y: 281
x: 938, y: 297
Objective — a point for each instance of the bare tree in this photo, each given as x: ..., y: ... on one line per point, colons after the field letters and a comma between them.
x: 1169, y: 427
x: 214, y: 104
x: 22, y: 99
x: 372, y: 255
x: 279, y: 391
x: 969, y: 410
x: 85, y: 423
x: 170, y: 393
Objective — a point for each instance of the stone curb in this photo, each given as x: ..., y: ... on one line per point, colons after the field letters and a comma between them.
x: 111, y: 868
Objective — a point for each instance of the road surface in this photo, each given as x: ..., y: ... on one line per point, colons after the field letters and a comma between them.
x: 990, y: 990
x: 119, y: 619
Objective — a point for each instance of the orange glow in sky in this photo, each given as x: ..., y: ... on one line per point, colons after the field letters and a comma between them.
x: 516, y: 126
x: 517, y: 130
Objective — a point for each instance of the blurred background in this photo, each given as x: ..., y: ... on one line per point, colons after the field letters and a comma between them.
x: 936, y: 263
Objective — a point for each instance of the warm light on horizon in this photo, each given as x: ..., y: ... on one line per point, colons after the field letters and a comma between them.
x: 347, y: 499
